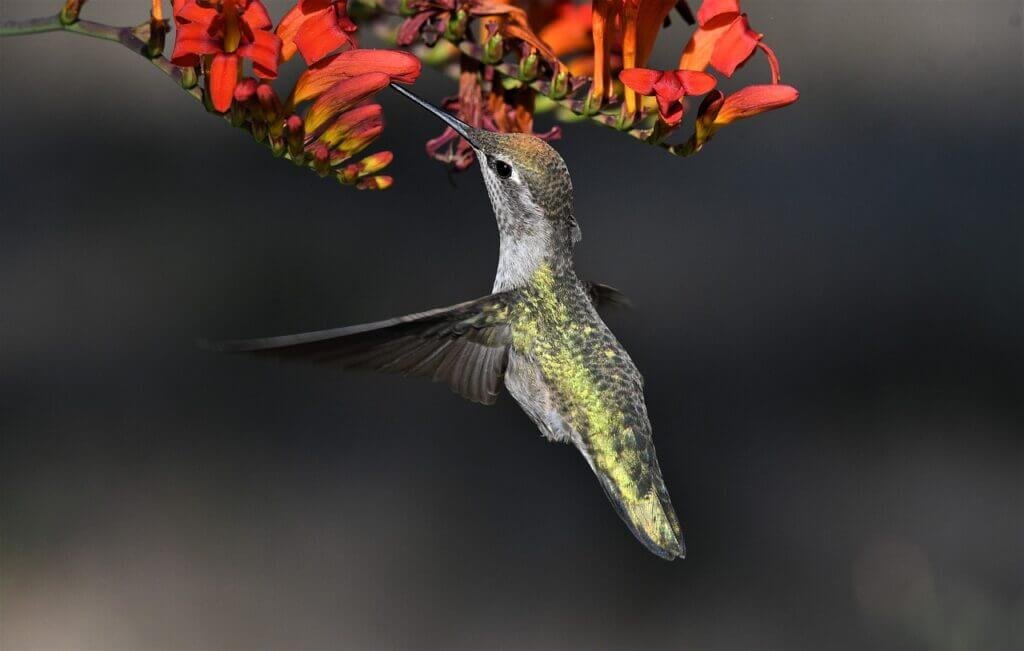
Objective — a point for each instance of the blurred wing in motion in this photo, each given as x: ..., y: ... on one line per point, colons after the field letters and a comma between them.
x: 603, y: 296
x: 464, y: 345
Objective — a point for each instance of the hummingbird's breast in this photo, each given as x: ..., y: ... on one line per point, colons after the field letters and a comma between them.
x: 571, y: 375
x: 587, y: 378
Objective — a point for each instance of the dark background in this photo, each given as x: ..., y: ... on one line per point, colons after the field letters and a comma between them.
x: 828, y: 314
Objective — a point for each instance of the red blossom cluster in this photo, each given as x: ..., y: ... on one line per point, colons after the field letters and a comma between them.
x: 216, y: 36
x: 724, y: 41
x: 560, y: 47
x: 513, y: 58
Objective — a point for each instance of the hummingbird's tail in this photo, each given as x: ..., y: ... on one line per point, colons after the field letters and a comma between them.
x: 646, y: 509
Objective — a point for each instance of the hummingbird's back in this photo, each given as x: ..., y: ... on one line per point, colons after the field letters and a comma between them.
x: 574, y: 379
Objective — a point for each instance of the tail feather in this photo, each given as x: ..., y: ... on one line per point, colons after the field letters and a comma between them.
x: 651, y: 518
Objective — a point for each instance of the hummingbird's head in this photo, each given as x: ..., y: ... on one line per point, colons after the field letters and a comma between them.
x: 527, y: 181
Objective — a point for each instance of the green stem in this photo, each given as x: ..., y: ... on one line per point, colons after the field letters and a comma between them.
x: 133, y: 38
x: 30, y: 26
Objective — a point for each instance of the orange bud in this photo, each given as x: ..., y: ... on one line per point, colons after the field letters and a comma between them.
x: 375, y: 162
x: 754, y: 100
x: 375, y: 183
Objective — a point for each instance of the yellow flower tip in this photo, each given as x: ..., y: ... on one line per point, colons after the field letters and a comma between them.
x: 375, y: 163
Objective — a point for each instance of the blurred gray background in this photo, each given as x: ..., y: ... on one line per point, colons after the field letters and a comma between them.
x: 828, y: 314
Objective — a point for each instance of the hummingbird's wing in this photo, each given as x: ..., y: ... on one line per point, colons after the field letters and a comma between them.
x: 464, y: 345
x: 602, y: 295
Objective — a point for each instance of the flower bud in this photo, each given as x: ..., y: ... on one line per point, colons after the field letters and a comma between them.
x: 157, y: 35
x: 268, y: 101
x: 559, y: 84
x: 321, y: 160
x: 296, y: 135
x: 189, y: 79
x: 277, y: 146
x: 259, y: 130
x: 456, y: 28
x: 375, y: 163
x: 238, y: 114
x: 494, y: 48
x: 348, y: 175
x: 704, y: 127
x: 375, y: 183
x: 245, y: 89
x: 529, y: 65
x: 69, y: 13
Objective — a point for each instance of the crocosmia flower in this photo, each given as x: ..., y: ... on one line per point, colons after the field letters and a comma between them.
x: 669, y: 87
x: 226, y: 31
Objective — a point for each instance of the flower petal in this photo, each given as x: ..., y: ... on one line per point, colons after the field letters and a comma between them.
x: 695, y: 83
x: 670, y: 110
x: 734, y: 47
x: 709, y: 9
x: 754, y: 100
x: 398, y: 65
x: 355, y: 143
x: 697, y: 53
x: 287, y: 28
x: 319, y: 35
x: 265, y: 53
x: 222, y: 80
x: 669, y: 87
x: 189, y: 11
x: 342, y: 96
x: 256, y: 16
x: 296, y: 17
x: 192, y: 41
x: 641, y: 80
x: 410, y: 28
x: 358, y: 119
x: 650, y: 18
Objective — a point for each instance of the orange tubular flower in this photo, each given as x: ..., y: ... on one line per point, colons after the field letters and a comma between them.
x: 638, y: 24
x: 226, y: 32
x: 315, y: 28
x: 669, y: 86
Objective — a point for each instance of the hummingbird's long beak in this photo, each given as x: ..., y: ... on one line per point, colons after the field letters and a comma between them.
x: 457, y: 125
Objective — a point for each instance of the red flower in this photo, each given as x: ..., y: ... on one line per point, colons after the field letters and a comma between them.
x: 724, y: 40
x: 227, y: 32
x: 315, y: 28
x: 669, y: 86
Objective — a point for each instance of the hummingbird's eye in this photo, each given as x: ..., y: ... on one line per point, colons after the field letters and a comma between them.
x: 501, y: 168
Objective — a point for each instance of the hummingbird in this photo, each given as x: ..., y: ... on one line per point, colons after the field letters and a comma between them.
x: 538, y: 333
